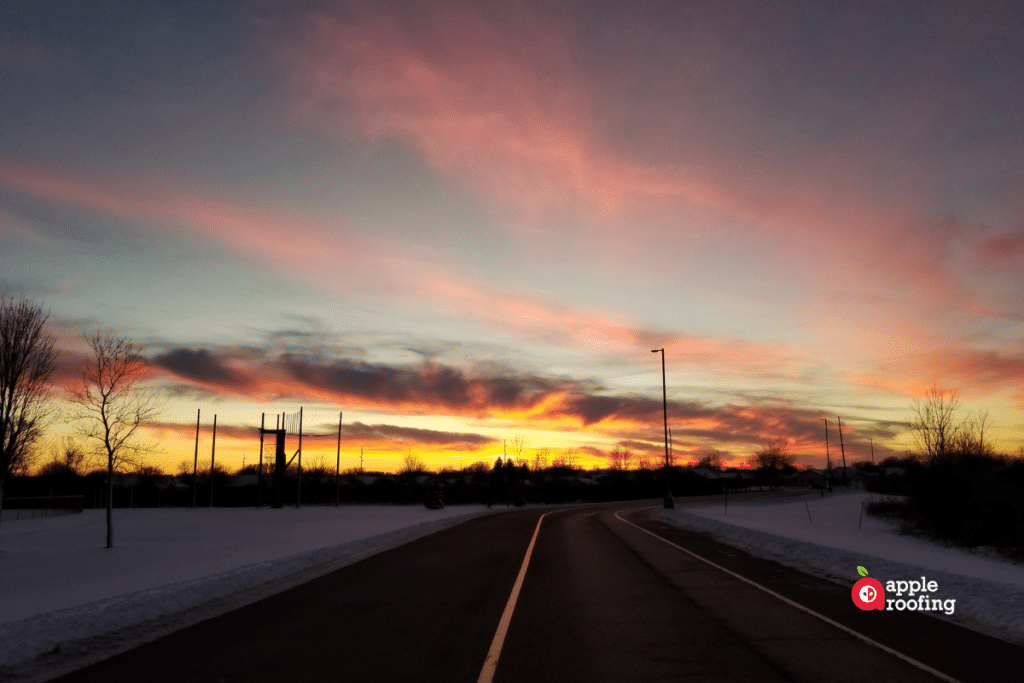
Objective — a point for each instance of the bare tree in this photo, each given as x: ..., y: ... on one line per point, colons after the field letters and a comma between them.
x: 772, y: 461
x: 712, y: 462
x: 567, y: 459
x: 412, y: 463
x: 540, y: 459
x: 27, y: 360
x: 113, y: 407
x: 317, y: 471
x: 621, y: 458
x: 979, y: 425
x: 518, y: 444
x: 72, y: 455
x: 935, y: 426
x: 67, y: 458
x: 643, y: 461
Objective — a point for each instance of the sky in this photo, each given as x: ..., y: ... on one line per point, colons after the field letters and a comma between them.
x: 460, y: 223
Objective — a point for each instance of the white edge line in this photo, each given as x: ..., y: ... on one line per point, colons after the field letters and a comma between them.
x: 491, y: 662
x: 869, y: 641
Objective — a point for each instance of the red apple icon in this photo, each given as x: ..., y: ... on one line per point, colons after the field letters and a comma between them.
x: 869, y: 594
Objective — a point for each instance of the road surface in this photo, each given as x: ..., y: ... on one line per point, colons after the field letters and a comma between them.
x: 601, y: 600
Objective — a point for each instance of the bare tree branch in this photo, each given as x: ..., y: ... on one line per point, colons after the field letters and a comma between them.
x: 772, y: 461
x: 27, y: 360
x: 934, y: 422
x: 113, y: 407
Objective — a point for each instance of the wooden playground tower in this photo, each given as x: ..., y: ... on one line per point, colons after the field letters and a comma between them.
x: 281, y: 460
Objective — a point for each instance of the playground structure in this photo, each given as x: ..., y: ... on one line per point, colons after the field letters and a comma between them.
x: 285, y: 423
x: 281, y: 460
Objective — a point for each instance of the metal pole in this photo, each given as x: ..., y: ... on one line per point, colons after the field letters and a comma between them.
x: 298, y: 490
x: 337, y: 468
x: 664, y: 404
x: 195, y: 461
x: 213, y: 456
x: 669, y: 503
x: 828, y: 460
x: 259, y: 472
x: 846, y: 479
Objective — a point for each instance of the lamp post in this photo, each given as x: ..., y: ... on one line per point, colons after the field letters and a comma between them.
x: 669, y: 502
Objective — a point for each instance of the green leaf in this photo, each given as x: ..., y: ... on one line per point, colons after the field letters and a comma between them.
x: 862, y: 571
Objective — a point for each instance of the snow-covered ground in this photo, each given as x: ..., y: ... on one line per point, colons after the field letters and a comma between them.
x: 172, y: 567
x: 59, y: 586
x: 835, y: 540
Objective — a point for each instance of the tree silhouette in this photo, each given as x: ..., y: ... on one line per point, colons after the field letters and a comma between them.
x: 27, y: 359
x: 771, y: 462
x: 934, y: 423
x: 412, y: 463
x: 114, y: 407
x: 620, y: 458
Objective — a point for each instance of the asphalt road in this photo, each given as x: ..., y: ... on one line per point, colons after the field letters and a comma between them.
x: 601, y: 601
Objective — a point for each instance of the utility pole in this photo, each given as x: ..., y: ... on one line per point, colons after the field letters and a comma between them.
x: 298, y: 488
x: 846, y: 479
x: 195, y: 460
x: 668, y: 502
x: 671, y: 452
x: 213, y: 456
x: 259, y: 472
x: 337, y: 468
x: 828, y: 460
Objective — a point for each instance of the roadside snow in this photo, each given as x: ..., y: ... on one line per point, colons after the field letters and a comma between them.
x: 60, y: 588
x: 989, y: 591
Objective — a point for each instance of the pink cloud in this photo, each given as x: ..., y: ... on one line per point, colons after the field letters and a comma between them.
x: 971, y: 372
x: 517, y: 124
x: 321, y: 250
x: 254, y: 229
x: 521, y: 126
x: 1003, y: 250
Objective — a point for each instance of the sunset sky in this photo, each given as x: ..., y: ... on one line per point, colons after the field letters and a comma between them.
x: 458, y: 222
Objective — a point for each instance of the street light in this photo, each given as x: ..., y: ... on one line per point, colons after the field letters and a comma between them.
x: 669, y: 503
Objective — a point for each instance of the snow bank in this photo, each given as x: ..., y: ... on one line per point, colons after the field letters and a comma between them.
x: 834, y: 540
x: 59, y: 587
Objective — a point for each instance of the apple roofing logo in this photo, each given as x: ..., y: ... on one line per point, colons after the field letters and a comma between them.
x: 868, y: 593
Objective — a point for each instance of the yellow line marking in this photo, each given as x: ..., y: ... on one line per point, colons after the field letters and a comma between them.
x: 491, y: 663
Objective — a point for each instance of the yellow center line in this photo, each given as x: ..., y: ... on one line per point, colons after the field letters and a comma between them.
x: 491, y: 663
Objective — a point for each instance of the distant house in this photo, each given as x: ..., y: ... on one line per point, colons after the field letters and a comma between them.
x: 169, y: 482
x: 847, y: 474
x: 810, y: 477
x: 245, y: 480
x: 738, y: 479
